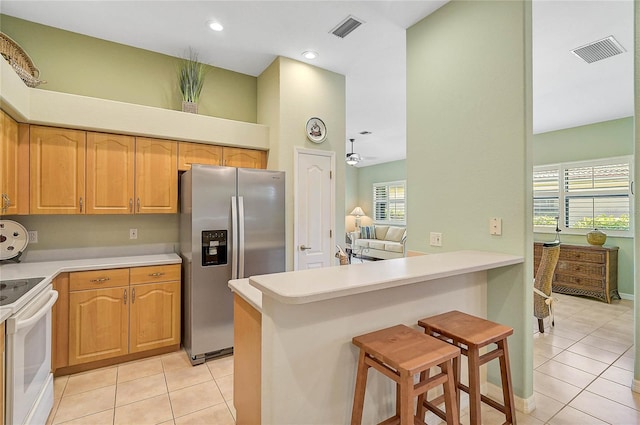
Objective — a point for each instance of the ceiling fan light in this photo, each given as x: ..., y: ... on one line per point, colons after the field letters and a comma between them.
x: 215, y: 26
x: 352, y: 161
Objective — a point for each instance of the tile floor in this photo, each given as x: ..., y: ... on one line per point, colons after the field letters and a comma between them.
x: 583, y: 369
x: 163, y: 390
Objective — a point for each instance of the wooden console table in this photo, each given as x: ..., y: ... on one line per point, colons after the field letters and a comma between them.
x: 591, y: 271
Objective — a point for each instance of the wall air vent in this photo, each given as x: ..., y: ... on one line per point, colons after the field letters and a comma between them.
x: 599, y: 50
x: 345, y: 27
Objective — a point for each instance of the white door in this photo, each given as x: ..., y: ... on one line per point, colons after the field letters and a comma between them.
x: 314, y: 209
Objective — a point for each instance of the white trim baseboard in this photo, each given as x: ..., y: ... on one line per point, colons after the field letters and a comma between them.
x: 627, y: 296
x: 635, y: 386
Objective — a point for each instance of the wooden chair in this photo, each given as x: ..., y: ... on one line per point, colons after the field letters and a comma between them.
x: 542, y: 298
x: 471, y: 334
x: 400, y: 353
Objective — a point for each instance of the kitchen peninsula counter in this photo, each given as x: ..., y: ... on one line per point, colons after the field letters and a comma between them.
x: 309, y: 317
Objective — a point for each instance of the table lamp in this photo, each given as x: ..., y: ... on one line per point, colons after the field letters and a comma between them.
x: 357, y: 211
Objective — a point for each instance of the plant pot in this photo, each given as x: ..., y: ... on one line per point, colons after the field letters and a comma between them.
x: 191, y: 107
x: 596, y: 237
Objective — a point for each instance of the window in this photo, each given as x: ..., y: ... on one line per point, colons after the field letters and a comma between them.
x: 390, y: 202
x: 584, y: 195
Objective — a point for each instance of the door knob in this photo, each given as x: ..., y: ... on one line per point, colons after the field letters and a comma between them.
x: 304, y: 248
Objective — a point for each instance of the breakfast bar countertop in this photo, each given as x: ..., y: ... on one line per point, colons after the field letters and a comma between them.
x: 307, y: 286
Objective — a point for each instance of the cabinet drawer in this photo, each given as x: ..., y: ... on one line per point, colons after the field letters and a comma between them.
x: 578, y: 281
x: 582, y: 255
x: 97, y: 279
x: 585, y: 269
x: 155, y: 274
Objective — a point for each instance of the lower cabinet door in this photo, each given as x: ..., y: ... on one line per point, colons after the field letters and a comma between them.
x: 98, y: 324
x: 155, y: 316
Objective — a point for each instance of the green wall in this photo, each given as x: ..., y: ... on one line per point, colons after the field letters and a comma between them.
x: 601, y: 140
x: 77, y: 64
x: 468, y: 150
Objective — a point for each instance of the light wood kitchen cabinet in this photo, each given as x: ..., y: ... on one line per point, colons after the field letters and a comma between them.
x: 198, y: 153
x: 156, y: 176
x: 116, y: 312
x: 14, y: 166
x: 244, y: 158
x: 110, y: 173
x: 98, y: 324
x: 60, y: 323
x: 247, y: 359
x: 57, y: 170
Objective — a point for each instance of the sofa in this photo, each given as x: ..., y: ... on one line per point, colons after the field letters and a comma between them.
x: 378, y: 241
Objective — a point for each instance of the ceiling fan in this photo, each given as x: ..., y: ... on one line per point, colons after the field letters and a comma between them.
x: 353, y: 158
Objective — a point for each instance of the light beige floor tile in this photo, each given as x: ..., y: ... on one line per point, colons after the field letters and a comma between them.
x: 566, y: 333
x: 605, y: 409
x: 181, y: 378
x: 566, y: 373
x: 614, y: 336
x: 553, y: 339
x: 140, y: 389
x: 194, y: 398
x: 546, y: 350
x: 139, y: 369
x: 90, y: 381
x: 605, y: 344
x: 631, y: 352
x: 624, y: 363
x: 101, y: 418
x: 616, y: 392
x: 524, y: 419
x: 59, y: 384
x: 571, y: 416
x: 221, y: 367
x: 153, y: 410
x: 232, y: 409
x: 554, y: 388
x: 539, y: 360
x: 226, y: 386
x: 54, y: 409
x: 177, y: 360
x: 583, y: 363
x: 546, y: 407
x: 171, y: 422
x: 218, y: 415
x: 86, y: 403
x: 619, y: 375
x: 593, y: 352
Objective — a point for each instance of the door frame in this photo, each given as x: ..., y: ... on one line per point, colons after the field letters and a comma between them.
x: 296, y: 206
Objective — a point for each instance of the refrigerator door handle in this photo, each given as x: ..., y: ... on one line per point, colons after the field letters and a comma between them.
x: 241, y: 237
x: 234, y: 238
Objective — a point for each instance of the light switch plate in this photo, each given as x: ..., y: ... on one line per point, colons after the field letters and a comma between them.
x: 495, y: 226
x: 435, y: 239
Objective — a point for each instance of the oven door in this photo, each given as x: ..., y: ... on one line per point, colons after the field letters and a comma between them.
x: 28, y: 361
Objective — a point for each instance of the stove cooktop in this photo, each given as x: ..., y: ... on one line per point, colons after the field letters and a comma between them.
x: 12, y: 290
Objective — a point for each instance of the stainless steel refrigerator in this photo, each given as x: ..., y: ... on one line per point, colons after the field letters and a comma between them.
x: 231, y: 226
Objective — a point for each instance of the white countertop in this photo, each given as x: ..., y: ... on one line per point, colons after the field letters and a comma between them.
x: 50, y: 269
x: 306, y: 286
x: 248, y: 293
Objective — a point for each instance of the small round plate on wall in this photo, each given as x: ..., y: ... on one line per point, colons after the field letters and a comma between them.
x: 316, y: 130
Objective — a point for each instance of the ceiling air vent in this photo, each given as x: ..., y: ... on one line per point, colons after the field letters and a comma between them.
x: 599, y: 50
x: 345, y: 27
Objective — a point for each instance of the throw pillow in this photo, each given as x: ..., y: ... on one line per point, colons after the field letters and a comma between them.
x: 368, y: 232
x: 381, y: 232
x: 395, y: 234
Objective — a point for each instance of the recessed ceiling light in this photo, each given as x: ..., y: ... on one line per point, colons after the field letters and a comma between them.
x: 310, y: 54
x: 215, y: 26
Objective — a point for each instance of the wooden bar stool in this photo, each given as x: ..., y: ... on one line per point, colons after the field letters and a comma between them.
x: 400, y: 353
x: 464, y: 330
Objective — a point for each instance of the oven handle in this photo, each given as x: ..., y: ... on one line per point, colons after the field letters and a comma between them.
x: 16, y: 325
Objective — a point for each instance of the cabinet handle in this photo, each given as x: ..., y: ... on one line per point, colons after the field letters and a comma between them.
x: 138, y: 204
x: 130, y: 205
x: 133, y: 295
x: 156, y: 274
x: 125, y: 297
x: 81, y: 204
x: 100, y: 280
x: 6, y: 202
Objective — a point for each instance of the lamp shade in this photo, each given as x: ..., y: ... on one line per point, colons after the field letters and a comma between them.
x: 357, y: 211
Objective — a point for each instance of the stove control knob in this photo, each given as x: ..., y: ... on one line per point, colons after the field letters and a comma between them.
x: 10, y: 248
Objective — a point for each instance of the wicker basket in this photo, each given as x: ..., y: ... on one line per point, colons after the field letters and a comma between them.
x: 20, y: 61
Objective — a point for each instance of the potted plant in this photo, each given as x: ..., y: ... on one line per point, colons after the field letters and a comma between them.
x: 191, y: 80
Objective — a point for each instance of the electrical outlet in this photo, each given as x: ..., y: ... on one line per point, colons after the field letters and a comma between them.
x: 435, y: 239
x: 133, y: 233
x: 33, y: 236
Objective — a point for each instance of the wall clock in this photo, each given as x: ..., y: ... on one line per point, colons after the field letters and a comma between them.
x: 316, y: 130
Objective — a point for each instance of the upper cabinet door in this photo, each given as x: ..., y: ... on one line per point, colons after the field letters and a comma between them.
x: 198, y: 153
x: 57, y: 170
x: 14, y: 167
x: 110, y: 173
x: 156, y: 176
x: 244, y: 158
